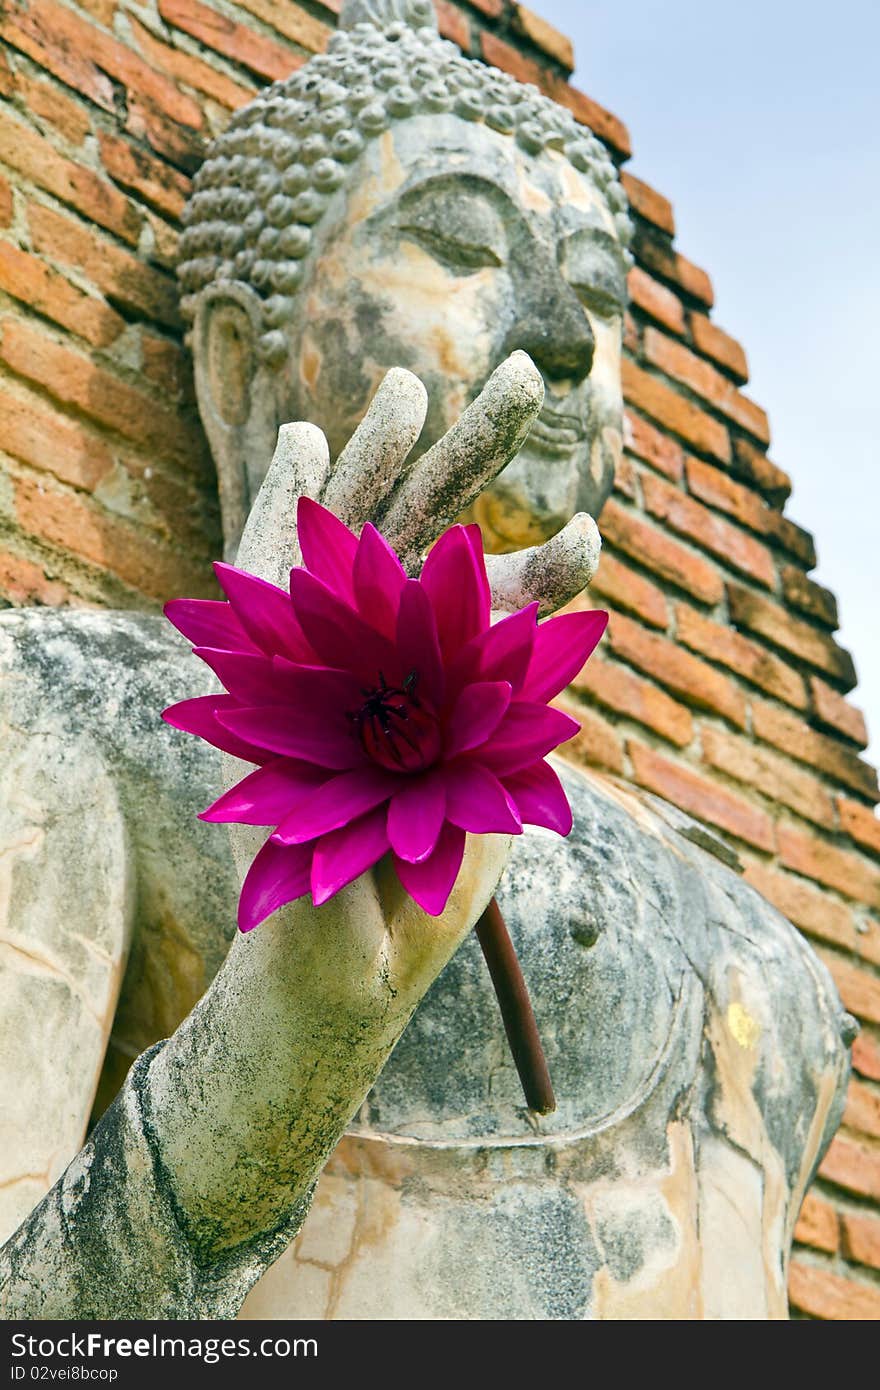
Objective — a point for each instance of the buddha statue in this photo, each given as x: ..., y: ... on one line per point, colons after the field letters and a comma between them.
x: 396, y: 205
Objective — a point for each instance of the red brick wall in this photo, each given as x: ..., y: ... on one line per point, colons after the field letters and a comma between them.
x: 720, y: 685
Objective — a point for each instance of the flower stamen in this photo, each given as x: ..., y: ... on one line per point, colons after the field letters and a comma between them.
x: 397, y: 729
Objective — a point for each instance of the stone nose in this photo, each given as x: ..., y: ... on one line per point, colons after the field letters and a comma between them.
x: 550, y: 323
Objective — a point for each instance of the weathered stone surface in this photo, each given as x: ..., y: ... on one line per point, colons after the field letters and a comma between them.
x: 114, y: 898
x: 694, y: 1043
x: 113, y: 1211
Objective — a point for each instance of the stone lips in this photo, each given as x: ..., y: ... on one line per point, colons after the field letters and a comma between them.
x: 251, y: 222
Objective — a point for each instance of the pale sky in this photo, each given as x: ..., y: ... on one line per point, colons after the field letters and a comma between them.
x: 761, y: 123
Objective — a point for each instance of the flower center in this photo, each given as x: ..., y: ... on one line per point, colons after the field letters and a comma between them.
x: 398, y: 729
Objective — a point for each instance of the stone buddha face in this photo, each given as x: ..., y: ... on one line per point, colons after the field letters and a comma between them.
x: 453, y: 249
x: 477, y: 218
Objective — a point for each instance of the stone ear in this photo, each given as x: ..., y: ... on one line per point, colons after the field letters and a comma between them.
x: 227, y: 325
x: 236, y: 392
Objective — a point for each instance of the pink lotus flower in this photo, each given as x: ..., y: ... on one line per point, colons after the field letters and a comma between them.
x: 384, y: 713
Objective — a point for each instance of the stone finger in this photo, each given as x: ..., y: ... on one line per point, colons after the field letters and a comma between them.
x: 552, y: 573
x: 371, y: 463
x: 446, y: 479
x: 299, y: 468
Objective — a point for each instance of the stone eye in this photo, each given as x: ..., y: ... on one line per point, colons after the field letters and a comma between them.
x: 596, y: 277
x: 457, y: 227
x: 454, y: 251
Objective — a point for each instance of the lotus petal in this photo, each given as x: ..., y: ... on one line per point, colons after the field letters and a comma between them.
x: 345, y: 854
x: 278, y: 875
x: 431, y: 881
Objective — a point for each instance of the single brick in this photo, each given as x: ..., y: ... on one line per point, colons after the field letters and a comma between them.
x: 121, y: 276
x: 6, y: 204
x: 677, y: 361
x: 655, y: 300
x: 859, y: 989
x: 774, y: 623
x: 852, y: 1165
x: 45, y: 99
x: 557, y: 46
x: 861, y: 1239
x: 676, y: 669
x: 834, y: 712
x: 811, y: 909
x: 779, y: 779
x: 191, y: 71
x: 705, y: 800
x: 22, y: 582
x: 821, y: 1294
x: 631, y: 591
x: 597, y: 744
x: 863, y: 1109
x: 817, y: 1224
x: 655, y: 253
x: 110, y: 542
x: 688, y: 517
x: 51, y: 441
x: 648, y: 203
x: 860, y: 822
x: 793, y: 736
x: 509, y: 59
x: 236, y: 41
x: 809, y: 597
x: 793, y: 538
x: 655, y: 448
x: 753, y: 467
x: 49, y: 293
x: 867, y: 943
x: 713, y: 342
x: 453, y: 25
x: 37, y: 160
x: 815, y: 858
x: 675, y: 412
x: 77, y: 381
x: 164, y: 188
x: 583, y: 108
x: 292, y: 21
x: 83, y: 56
x: 180, y: 146
x: 718, y: 490
x: 629, y: 532
x: 620, y: 690
x: 745, y: 658
x: 866, y: 1055
x: 601, y: 122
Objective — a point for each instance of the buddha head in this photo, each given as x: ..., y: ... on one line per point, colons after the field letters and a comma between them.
x: 394, y: 203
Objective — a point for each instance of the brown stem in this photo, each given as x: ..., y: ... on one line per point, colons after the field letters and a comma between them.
x: 516, y: 1010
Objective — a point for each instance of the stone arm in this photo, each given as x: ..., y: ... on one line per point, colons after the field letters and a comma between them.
x: 202, y: 1170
